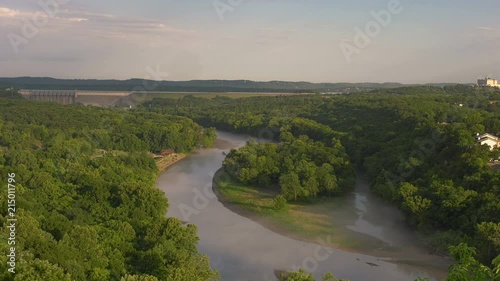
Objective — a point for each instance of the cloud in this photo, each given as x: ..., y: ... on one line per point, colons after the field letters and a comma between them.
x: 8, y: 13
x: 77, y: 19
x: 102, y: 23
x: 272, y: 35
x: 128, y: 24
x: 485, y: 28
x: 487, y: 32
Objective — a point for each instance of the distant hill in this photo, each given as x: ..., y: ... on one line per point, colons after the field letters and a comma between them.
x: 192, y: 86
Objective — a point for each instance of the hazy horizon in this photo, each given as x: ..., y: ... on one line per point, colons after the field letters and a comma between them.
x: 274, y: 40
x: 258, y: 81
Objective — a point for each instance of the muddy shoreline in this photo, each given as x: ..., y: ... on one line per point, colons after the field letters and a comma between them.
x: 270, y: 225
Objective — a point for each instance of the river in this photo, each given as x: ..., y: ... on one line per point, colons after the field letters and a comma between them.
x: 244, y: 250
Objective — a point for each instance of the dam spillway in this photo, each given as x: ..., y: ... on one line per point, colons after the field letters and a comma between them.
x: 58, y: 96
x: 96, y: 98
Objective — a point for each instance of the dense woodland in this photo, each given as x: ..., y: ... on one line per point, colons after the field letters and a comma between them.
x: 416, y: 144
x: 93, y: 216
x: 300, y: 167
x: 84, y: 215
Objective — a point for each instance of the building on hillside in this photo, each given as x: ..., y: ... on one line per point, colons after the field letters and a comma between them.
x: 488, y: 82
x: 488, y: 139
x: 167, y: 152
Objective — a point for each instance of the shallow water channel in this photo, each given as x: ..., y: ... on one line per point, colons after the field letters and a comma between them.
x: 243, y: 250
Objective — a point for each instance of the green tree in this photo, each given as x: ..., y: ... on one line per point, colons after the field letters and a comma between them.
x: 301, y: 275
x: 489, y: 235
x: 468, y: 268
x: 138, y: 278
x: 413, y: 202
x: 33, y: 269
x: 290, y: 186
x: 279, y: 202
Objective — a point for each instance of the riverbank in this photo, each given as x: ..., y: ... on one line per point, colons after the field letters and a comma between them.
x: 303, y: 222
x: 245, y: 246
x: 166, y: 161
x: 337, y: 222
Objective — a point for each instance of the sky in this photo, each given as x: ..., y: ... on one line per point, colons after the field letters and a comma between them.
x: 407, y: 41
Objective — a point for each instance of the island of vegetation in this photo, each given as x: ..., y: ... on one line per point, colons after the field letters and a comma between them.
x: 277, y: 180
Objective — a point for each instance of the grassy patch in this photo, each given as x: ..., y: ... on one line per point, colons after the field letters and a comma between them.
x: 249, y: 198
x: 306, y: 221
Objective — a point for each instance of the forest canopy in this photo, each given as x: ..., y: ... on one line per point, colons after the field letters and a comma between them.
x: 301, y: 168
x: 92, y: 216
x: 417, y: 145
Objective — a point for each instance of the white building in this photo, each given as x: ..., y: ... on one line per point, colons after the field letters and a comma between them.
x: 488, y: 139
x: 488, y: 82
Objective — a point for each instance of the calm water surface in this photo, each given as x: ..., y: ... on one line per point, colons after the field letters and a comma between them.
x: 243, y: 250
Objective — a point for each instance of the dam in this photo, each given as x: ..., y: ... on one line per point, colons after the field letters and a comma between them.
x: 95, y: 98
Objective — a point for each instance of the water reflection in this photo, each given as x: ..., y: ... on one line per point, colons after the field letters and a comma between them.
x: 243, y: 250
